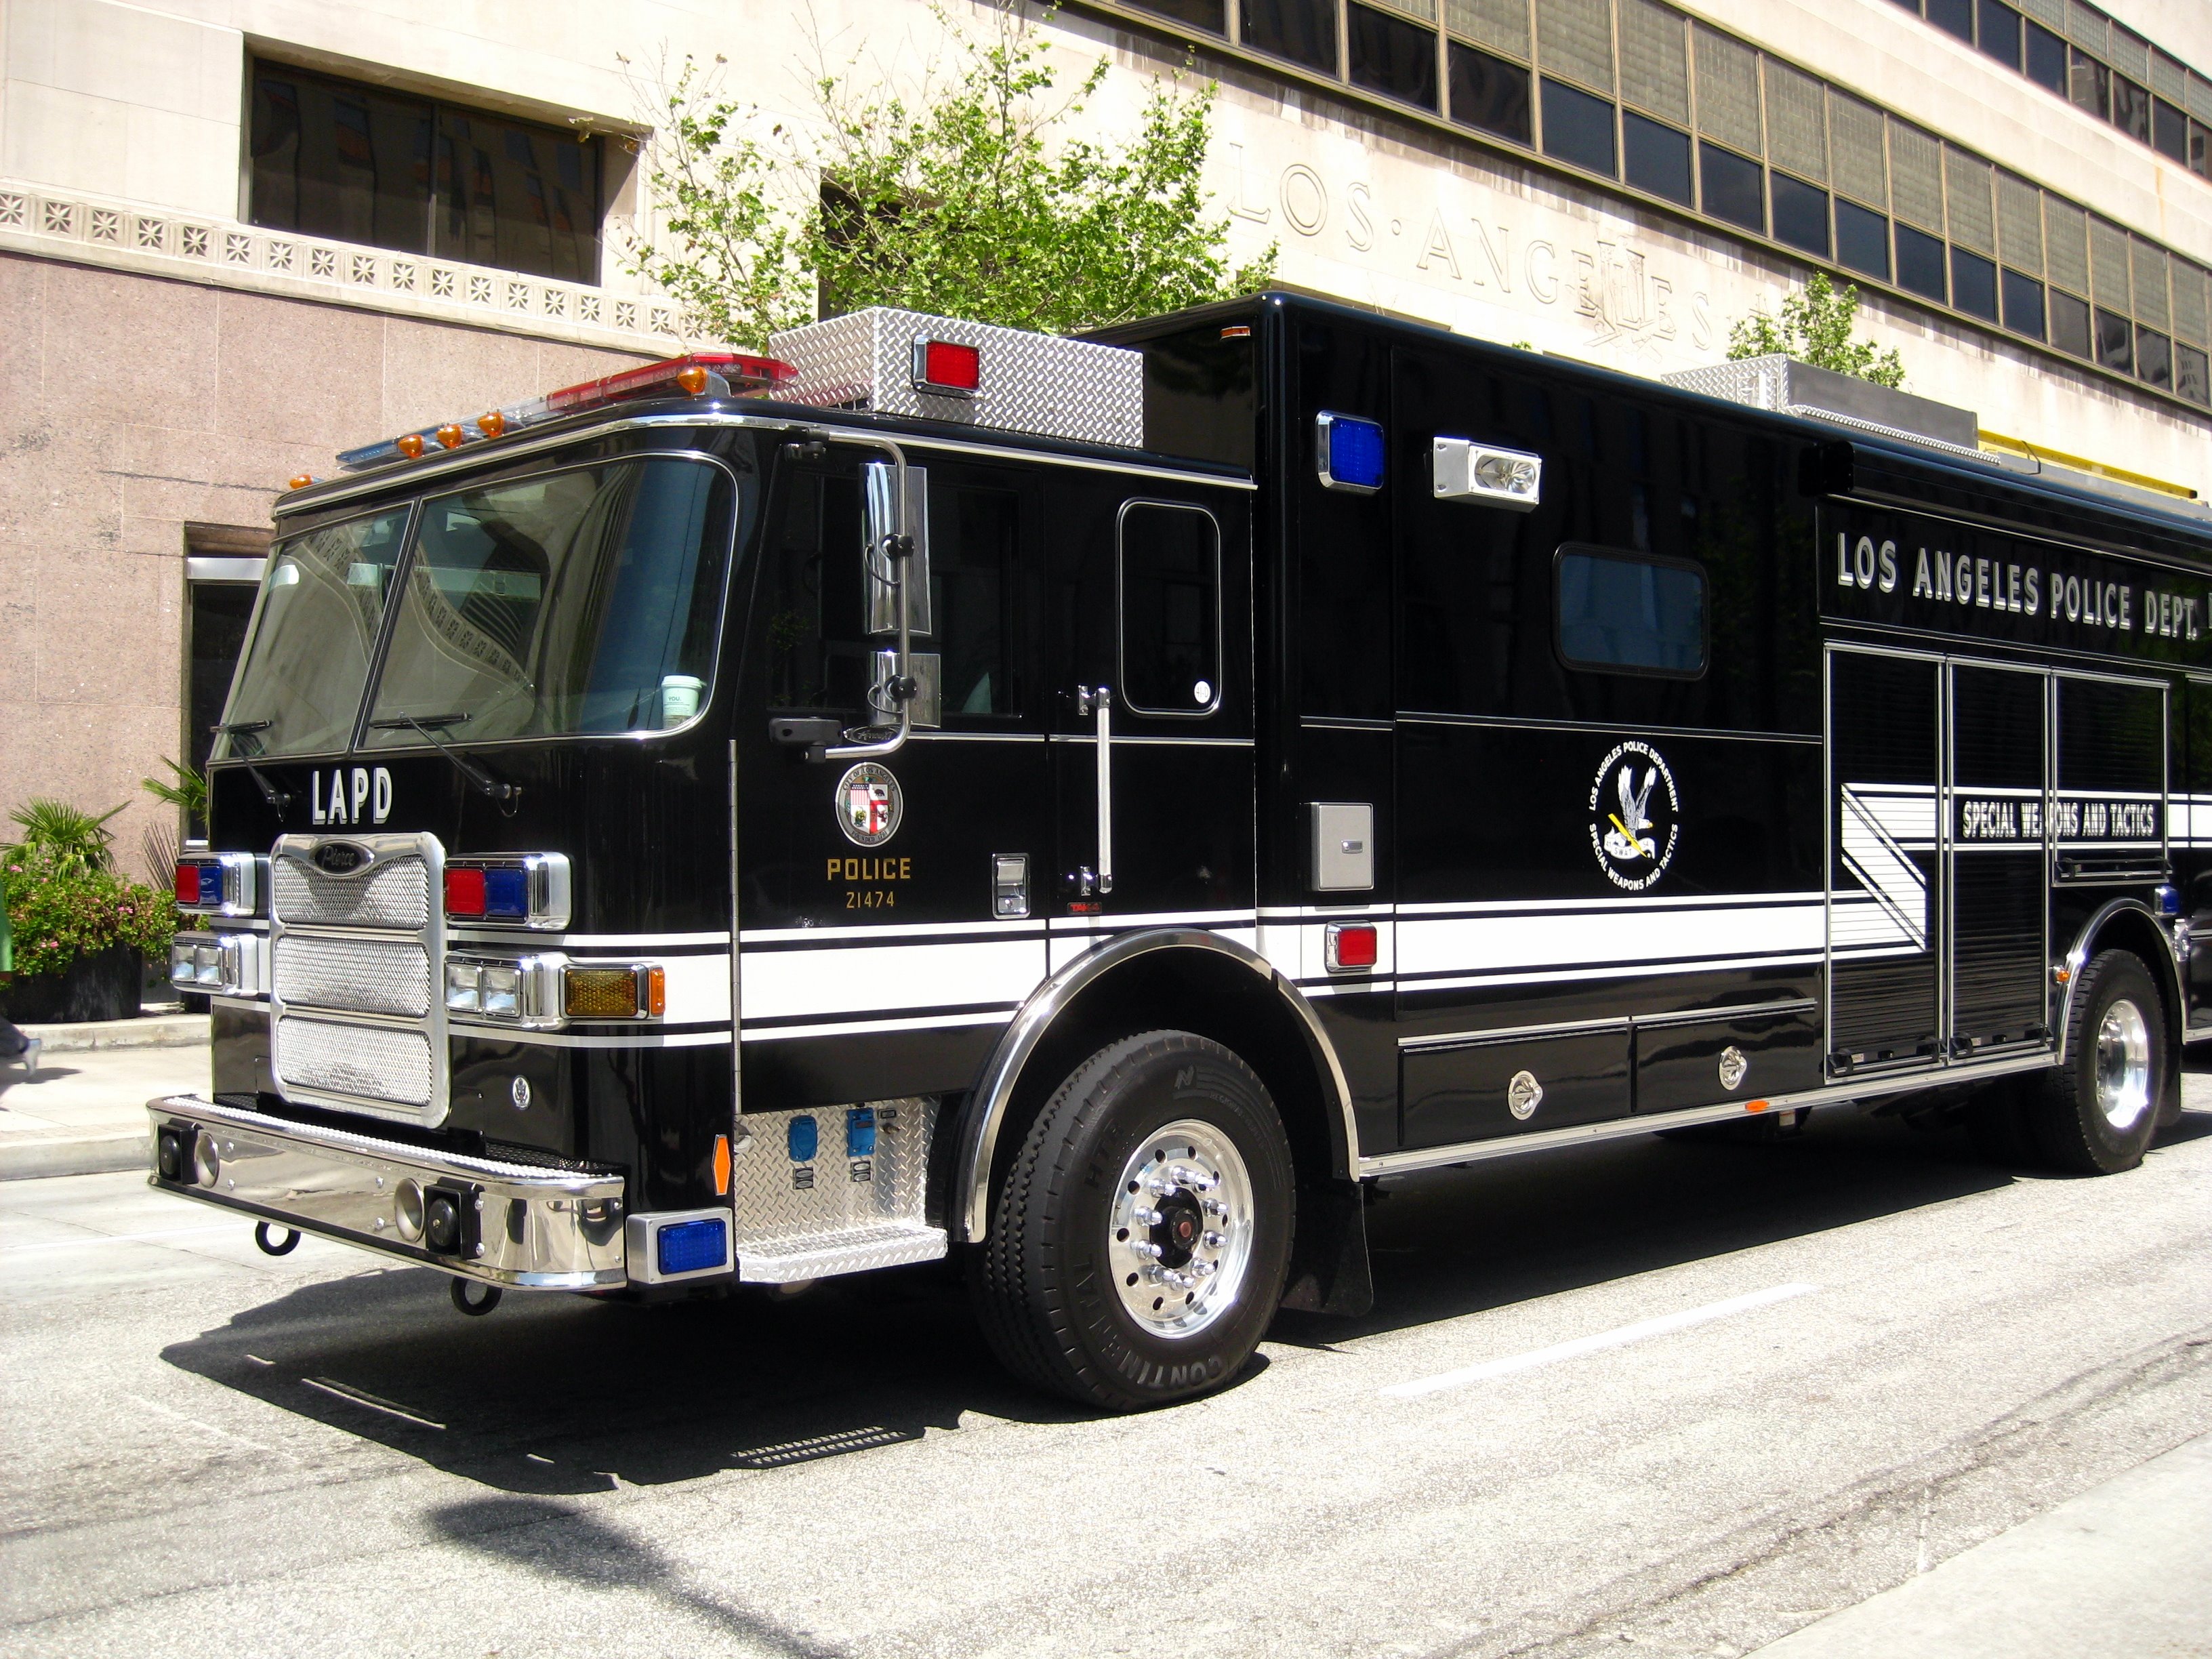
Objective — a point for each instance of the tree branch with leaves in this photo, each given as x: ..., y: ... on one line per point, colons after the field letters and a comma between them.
x: 1815, y: 328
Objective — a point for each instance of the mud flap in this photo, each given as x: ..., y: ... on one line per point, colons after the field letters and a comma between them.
x: 1328, y: 1262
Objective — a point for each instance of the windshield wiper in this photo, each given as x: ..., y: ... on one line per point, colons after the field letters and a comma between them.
x: 278, y: 798
x: 469, y: 769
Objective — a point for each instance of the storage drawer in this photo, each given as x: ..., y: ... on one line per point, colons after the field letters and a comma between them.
x: 1678, y: 1057
x: 1463, y: 1090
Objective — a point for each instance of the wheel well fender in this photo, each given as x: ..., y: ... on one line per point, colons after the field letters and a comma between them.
x: 2126, y: 924
x: 1186, y: 979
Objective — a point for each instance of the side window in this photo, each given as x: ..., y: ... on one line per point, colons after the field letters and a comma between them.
x: 972, y: 534
x: 1167, y: 592
x: 1628, y: 614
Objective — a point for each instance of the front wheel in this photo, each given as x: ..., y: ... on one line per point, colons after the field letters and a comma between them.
x: 1140, y: 1242
x: 2095, y: 1113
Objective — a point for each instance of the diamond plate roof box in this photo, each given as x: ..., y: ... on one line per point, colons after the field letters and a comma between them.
x: 1795, y: 388
x: 1035, y: 383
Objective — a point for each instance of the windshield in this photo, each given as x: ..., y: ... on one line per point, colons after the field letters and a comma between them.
x: 322, y: 602
x: 587, y: 600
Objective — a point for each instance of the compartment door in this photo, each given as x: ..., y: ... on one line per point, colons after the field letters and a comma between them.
x: 2108, y: 803
x: 1999, y: 882
x: 1884, y: 870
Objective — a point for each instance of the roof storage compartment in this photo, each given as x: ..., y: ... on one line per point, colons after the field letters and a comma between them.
x: 1783, y: 383
x: 1007, y: 380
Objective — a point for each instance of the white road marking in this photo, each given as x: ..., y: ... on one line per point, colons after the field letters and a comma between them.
x: 116, y: 1238
x: 1641, y: 1330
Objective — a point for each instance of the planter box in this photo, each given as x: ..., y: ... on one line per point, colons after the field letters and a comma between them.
x: 104, y: 986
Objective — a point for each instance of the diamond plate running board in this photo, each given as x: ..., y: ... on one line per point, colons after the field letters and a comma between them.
x: 820, y: 1255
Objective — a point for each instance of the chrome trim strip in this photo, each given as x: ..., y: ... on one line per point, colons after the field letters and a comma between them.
x: 1733, y: 1011
x: 1510, y: 1033
x: 994, y: 1088
x: 1432, y: 1157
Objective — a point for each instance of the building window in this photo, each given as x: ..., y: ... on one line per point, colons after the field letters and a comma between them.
x: 1393, y: 57
x: 2130, y: 108
x: 1997, y: 32
x: 2069, y: 324
x: 1489, y: 94
x: 2155, y: 358
x: 1953, y: 17
x: 1729, y: 185
x: 1304, y: 31
x: 1801, y: 213
x: 1862, y: 240
x: 358, y: 164
x: 2046, y: 59
x: 1974, y: 284
x: 2170, y: 132
x: 2023, y: 305
x: 1655, y: 157
x: 1212, y: 16
x: 1578, y: 127
x: 1920, y: 263
x: 2192, y: 375
x: 2090, y: 85
x: 2115, y: 342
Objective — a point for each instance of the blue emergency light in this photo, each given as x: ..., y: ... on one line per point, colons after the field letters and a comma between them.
x: 689, y: 1247
x: 1348, y: 452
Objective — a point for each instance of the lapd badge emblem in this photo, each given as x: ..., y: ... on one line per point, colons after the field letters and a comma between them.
x: 869, y: 805
x: 1635, y: 817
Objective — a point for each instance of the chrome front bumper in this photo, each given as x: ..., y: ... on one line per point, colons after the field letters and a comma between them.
x: 542, y: 1229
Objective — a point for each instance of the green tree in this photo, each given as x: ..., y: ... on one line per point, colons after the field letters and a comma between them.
x: 1815, y: 328
x: 971, y: 198
x: 76, y: 841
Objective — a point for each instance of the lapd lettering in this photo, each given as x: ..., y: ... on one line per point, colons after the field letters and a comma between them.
x: 363, y: 795
x: 869, y: 870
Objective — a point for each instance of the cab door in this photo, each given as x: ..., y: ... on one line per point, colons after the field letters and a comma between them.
x: 1150, y: 710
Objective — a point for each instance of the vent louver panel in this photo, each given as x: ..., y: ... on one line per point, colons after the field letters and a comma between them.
x: 2066, y: 244
x: 1855, y: 145
x: 2150, y: 285
x: 2019, y: 224
x: 1728, y: 92
x: 1966, y: 182
x: 1796, y: 135
x: 1655, y: 67
x: 1574, y: 40
x: 1916, y: 177
x: 2108, y: 264
x: 1500, y: 25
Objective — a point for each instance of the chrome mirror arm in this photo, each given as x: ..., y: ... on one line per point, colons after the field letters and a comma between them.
x: 899, y: 546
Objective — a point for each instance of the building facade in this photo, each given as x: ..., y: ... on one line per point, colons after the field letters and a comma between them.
x: 238, y: 235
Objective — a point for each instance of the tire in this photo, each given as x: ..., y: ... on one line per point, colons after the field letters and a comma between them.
x: 2095, y: 1113
x: 1066, y: 1299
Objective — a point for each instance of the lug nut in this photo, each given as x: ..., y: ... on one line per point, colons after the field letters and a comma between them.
x: 1146, y: 1248
x: 1213, y: 1240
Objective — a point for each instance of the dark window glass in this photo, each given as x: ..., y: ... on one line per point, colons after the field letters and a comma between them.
x: 1655, y: 158
x: 2069, y: 324
x: 1390, y: 55
x: 520, y: 197
x: 2115, y: 342
x: 1728, y: 185
x: 1489, y: 93
x: 971, y: 589
x: 1801, y: 213
x: 1998, y: 32
x: 1862, y: 240
x: 331, y: 159
x: 2170, y: 132
x: 2130, y: 108
x: 2153, y: 357
x: 220, y: 613
x: 1953, y: 17
x: 1304, y: 31
x: 2046, y: 59
x: 1974, y: 284
x: 1171, y: 603
x: 1621, y: 613
x: 2089, y: 83
x: 2192, y: 375
x: 1212, y: 16
x: 2200, y: 148
x: 2023, y: 305
x: 1920, y: 263
x: 1578, y: 127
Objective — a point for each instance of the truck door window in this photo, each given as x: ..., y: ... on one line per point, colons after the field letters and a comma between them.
x: 1631, y: 615
x: 1167, y: 585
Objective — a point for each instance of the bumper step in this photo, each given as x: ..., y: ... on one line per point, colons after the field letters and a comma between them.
x: 820, y: 1255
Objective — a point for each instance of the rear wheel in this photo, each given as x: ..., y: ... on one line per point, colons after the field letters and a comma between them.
x: 1139, y: 1245
x: 2095, y: 1113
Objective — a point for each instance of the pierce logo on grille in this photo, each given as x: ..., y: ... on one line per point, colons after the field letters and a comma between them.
x: 340, y: 858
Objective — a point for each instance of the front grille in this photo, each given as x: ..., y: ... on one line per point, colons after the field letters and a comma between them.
x: 359, y: 1026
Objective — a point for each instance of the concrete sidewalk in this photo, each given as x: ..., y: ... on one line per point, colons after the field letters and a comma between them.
x: 2122, y: 1569
x: 83, y: 1111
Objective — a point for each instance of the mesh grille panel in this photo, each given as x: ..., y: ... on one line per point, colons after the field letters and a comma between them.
x: 1968, y: 181
x: 2131, y: 55
x: 354, y: 1060
x: 1501, y: 25
x: 1797, y: 140
x: 1574, y: 38
x: 2019, y: 224
x: 2167, y: 79
x: 1655, y: 67
x: 2150, y: 285
x: 2200, y: 97
x: 1855, y: 146
x: 2085, y: 27
x: 383, y: 976
x: 2189, y: 320
x: 2052, y: 14
x: 1426, y: 10
x: 2066, y: 244
x: 395, y: 895
x: 1727, y: 91
x: 1916, y: 177
x: 2108, y: 267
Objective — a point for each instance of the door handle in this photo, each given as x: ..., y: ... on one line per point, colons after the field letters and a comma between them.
x: 1098, y: 702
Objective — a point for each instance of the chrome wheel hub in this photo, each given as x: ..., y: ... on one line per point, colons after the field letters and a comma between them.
x: 2124, y: 1066
x: 1179, y: 1231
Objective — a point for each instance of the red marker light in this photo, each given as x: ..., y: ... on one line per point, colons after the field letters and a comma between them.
x: 464, y: 892
x: 1352, y: 944
x: 188, y: 883
x: 941, y: 365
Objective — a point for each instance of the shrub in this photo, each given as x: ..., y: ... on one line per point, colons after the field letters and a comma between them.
x: 59, y: 911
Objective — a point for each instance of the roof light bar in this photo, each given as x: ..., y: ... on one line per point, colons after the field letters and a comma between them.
x: 695, y: 375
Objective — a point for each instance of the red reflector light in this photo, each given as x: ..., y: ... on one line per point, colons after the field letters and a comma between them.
x: 464, y: 892
x: 685, y: 376
x: 1352, y: 944
x: 941, y: 365
x: 188, y: 884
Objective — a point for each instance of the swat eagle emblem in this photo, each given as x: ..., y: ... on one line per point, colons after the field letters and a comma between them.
x: 1635, y: 815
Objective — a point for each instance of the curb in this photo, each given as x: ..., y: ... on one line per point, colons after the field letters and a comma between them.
x: 147, y: 1032
x: 36, y: 1160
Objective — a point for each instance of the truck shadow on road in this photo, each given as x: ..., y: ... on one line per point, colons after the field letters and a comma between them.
x: 557, y: 1396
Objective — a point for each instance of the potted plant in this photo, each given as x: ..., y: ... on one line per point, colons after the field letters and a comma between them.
x: 79, y: 932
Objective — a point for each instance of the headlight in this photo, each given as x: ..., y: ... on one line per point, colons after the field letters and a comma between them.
x: 463, y: 990
x: 499, y: 991
x: 523, y: 992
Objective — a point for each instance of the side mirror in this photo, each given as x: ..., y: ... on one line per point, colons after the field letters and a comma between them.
x: 879, y: 519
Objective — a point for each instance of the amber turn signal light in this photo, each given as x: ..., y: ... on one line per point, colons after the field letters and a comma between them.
x: 692, y: 379
x: 410, y: 445
x: 491, y: 425
x: 450, y: 434
x: 300, y: 481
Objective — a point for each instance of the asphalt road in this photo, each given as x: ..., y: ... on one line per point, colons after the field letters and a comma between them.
x: 1680, y: 1396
